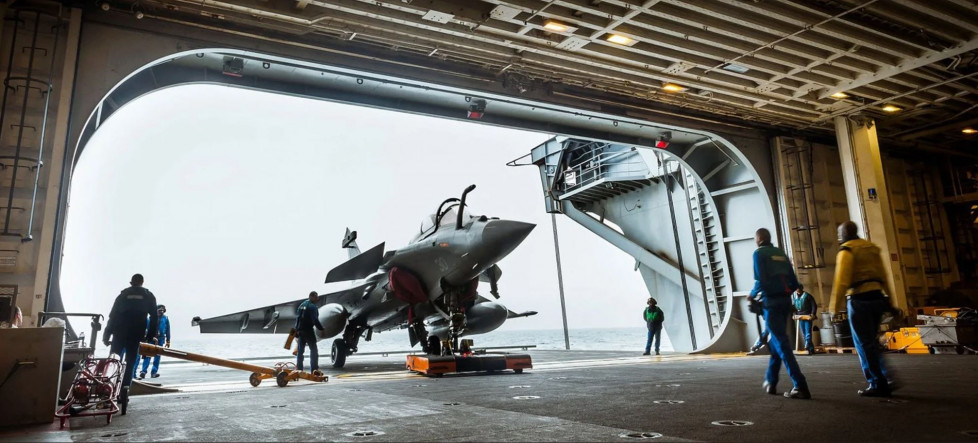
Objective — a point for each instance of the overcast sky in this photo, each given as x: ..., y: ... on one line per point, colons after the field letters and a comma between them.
x: 229, y: 199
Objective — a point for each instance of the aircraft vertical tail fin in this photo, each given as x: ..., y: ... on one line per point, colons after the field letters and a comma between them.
x: 350, y: 243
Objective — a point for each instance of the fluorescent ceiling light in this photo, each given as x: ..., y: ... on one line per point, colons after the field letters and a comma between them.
x: 891, y: 108
x: 621, y: 40
x: 735, y: 68
x: 840, y: 95
x: 555, y: 26
x: 672, y: 87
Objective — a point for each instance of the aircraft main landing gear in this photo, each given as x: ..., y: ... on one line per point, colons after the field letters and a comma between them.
x: 337, y: 354
x: 434, y: 345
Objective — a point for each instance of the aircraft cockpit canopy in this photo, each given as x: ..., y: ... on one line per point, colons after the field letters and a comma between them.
x: 445, y: 219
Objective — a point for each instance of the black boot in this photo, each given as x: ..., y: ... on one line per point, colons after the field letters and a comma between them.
x: 124, y: 400
x: 874, y: 392
x: 799, y: 393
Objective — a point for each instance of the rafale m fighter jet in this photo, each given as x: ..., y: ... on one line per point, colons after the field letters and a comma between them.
x: 430, y: 283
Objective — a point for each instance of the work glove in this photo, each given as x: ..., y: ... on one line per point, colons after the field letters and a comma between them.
x: 167, y: 345
x: 105, y: 341
x: 893, y: 317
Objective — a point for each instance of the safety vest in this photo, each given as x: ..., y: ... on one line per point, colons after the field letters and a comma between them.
x: 868, y: 273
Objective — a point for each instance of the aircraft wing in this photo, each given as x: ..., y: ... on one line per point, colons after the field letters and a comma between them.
x: 274, y: 319
x: 358, y: 267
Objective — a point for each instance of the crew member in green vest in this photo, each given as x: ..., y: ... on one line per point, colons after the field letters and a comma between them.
x: 653, y: 320
x: 805, y: 304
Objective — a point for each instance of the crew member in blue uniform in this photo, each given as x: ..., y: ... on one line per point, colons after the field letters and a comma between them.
x: 162, y: 338
x: 126, y: 327
x: 307, y: 317
x: 775, y: 280
x: 804, y: 304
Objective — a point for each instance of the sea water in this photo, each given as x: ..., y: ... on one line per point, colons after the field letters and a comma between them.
x: 235, y: 346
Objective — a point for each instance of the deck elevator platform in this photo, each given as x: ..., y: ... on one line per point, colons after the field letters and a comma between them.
x: 686, y: 210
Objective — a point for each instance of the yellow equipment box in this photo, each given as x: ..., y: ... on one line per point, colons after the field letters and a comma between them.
x: 907, y: 340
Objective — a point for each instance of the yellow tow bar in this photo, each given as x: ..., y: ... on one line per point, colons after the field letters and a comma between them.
x: 282, y: 372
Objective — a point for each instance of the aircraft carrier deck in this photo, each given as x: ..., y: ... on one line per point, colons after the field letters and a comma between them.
x: 568, y: 396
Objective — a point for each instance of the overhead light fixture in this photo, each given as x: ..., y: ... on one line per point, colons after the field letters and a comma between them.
x: 735, y: 68
x: 621, y: 40
x: 840, y: 96
x: 572, y: 43
x: 891, y: 108
x: 672, y: 87
x: 970, y: 131
x: 555, y: 26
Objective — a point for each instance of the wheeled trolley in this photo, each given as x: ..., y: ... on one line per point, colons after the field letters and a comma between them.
x: 95, y: 390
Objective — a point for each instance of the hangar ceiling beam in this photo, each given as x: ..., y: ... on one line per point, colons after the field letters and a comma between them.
x: 652, y: 80
x: 904, y: 66
x: 956, y: 126
x: 964, y: 16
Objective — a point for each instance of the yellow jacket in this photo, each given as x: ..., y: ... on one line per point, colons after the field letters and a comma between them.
x: 858, y: 269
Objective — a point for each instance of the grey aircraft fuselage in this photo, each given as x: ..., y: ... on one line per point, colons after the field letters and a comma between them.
x: 450, y: 253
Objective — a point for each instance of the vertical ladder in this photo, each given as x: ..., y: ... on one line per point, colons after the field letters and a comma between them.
x: 800, y: 199
x: 930, y: 233
x: 708, y: 244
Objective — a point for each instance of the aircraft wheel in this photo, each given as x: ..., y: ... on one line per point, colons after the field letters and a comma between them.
x: 434, y: 345
x: 338, y: 354
x: 255, y: 379
x: 282, y: 378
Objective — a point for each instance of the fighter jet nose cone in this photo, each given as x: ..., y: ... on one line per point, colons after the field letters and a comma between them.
x: 500, y: 237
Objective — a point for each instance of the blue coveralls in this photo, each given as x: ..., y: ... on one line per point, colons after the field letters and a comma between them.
x: 164, y: 331
x: 127, y: 326
x: 775, y: 277
x: 307, y: 317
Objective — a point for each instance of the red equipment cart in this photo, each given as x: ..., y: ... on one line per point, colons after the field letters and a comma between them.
x: 95, y: 390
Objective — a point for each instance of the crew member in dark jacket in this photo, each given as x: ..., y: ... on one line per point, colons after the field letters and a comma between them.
x: 653, y: 320
x: 775, y: 280
x: 126, y: 327
x: 805, y: 304
x: 307, y: 317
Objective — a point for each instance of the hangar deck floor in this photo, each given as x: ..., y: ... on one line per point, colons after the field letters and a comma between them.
x: 568, y: 396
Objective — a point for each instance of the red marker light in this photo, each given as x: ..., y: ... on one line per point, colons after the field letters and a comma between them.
x: 661, y: 144
x: 475, y: 115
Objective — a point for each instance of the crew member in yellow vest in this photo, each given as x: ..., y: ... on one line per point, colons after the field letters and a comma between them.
x: 861, y: 279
